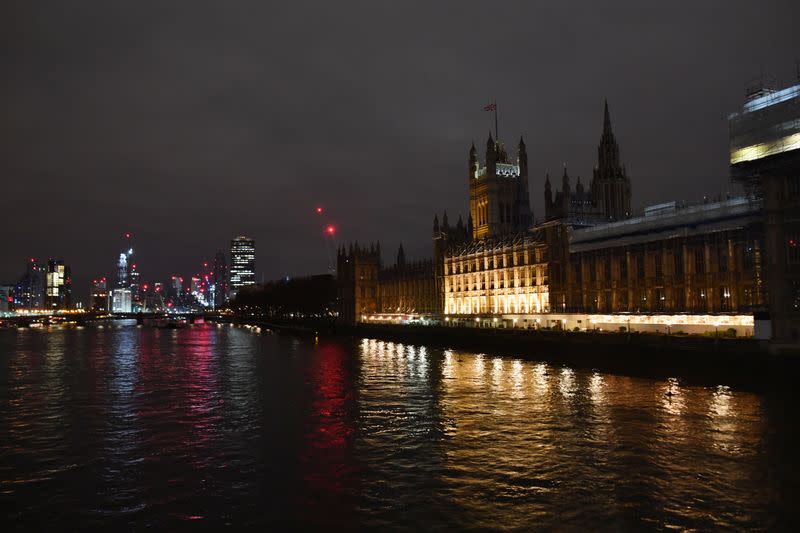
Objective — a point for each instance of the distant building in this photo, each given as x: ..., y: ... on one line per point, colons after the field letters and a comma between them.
x: 121, y: 301
x: 243, y: 263
x: 6, y: 298
x: 135, y: 284
x: 58, y: 285
x: 29, y: 291
x: 99, y: 297
x: 220, y: 280
x: 608, y: 197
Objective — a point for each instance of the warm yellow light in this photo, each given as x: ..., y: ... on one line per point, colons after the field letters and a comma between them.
x: 759, y: 151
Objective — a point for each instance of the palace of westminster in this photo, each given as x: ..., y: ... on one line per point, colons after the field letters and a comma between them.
x: 590, y: 261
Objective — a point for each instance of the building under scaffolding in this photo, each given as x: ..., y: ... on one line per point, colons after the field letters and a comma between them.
x: 765, y: 157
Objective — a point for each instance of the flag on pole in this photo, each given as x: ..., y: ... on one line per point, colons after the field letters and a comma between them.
x: 490, y: 107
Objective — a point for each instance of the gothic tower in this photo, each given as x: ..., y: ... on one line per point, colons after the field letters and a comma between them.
x: 611, y: 188
x: 499, y: 201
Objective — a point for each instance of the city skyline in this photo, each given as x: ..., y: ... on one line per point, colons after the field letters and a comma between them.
x: 248, y: 154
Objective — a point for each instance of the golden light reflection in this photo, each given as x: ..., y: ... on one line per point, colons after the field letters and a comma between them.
x: 672, y: 398
x: 479, y: 365
x: 517, y: 377
x: 597, y: 389
x: 540, y: 376
x: 566, y: 383
x: 497, y: 374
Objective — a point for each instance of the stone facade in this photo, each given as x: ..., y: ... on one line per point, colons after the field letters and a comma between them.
x: 501, y: 275
x: 408, y: 287
x: 700, y: 259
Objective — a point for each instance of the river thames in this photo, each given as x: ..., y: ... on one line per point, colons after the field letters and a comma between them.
x: 210, y: 426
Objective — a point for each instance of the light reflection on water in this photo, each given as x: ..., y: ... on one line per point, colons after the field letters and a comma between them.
x: 136, y: 426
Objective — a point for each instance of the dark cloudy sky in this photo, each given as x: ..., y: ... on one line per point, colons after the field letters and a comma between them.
x: 189, y: 123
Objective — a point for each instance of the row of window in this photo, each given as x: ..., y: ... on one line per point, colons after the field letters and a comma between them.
x: 602, y: 300
x: 698, y: 256
x: 493, y: 262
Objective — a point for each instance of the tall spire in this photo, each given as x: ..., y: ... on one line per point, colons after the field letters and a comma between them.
x: 606, y: 119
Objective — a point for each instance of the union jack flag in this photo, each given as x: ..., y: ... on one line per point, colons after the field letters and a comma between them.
x: 490, y: 107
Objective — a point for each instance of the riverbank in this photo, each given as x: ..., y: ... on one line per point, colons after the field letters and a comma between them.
x: 745, y: 362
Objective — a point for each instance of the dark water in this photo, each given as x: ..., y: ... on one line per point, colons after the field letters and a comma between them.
x: 184, y: 429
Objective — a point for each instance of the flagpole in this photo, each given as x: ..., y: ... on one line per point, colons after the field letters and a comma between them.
x: 496, y: 133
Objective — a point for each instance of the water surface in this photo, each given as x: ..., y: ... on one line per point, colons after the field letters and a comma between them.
x: 211, y: 426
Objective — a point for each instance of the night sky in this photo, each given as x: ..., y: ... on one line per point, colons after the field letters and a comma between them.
x: 189, y: 124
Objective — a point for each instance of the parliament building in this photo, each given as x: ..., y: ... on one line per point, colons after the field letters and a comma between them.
x: 589, y: 263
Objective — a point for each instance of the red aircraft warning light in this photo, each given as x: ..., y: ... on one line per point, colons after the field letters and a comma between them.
x: 319, y: 210
x: 330, y: 230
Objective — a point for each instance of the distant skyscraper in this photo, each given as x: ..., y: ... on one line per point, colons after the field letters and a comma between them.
x: 177, y: 285
x: 243, y: 263
x: 122, y: 271
x: 29, y: 292
x: 135, y: 285
x: 6, y: 298
x: 98, y: 295
x: 121, y: 301
x: 58, y: 289
x: 220, y: 280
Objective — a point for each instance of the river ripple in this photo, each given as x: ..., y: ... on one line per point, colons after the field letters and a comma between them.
x: 135, y: 427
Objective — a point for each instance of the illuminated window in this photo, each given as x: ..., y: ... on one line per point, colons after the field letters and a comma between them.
x: 660, y: 303
x: 724, y: 298
x: 747, y: 297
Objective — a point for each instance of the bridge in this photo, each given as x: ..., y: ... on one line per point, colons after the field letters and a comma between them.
x: 79, y: 318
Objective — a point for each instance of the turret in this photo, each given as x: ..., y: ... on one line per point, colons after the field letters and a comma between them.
x: 473, y: 162
x: 491, y: 157
x: 435, y: 224
x: 523, y: 194
x: 548, y: 191
x: 401, y: 257
x: 565, y: 190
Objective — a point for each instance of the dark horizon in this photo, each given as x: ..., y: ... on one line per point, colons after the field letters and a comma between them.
x: 189, y: 126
